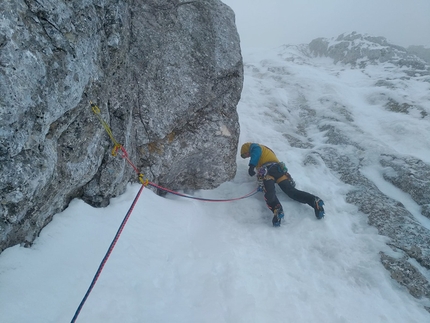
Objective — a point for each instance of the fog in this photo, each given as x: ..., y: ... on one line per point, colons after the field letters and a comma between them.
x: 273, y: 23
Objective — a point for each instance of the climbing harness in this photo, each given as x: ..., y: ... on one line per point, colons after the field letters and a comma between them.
x: 263, y: 173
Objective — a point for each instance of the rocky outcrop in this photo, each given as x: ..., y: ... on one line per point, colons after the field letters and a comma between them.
x: 360, y: 50
x: 167, y: 76
x: 412, y: 176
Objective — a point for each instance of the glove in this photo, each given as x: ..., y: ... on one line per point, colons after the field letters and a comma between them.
x: 251, y: 170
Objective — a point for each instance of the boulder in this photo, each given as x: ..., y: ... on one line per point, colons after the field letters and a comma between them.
x: 166, y: 75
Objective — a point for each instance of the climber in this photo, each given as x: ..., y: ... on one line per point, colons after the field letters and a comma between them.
x: 271, y: 170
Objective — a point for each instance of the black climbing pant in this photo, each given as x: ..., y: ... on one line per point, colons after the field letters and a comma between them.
x: 273, y: 174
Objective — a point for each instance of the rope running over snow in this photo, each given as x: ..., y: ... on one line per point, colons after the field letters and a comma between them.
x: 106, y: 257
x: 145, y: 183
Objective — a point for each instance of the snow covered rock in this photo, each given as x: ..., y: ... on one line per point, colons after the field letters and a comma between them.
x: 167, y: 76
x: 359, y: 50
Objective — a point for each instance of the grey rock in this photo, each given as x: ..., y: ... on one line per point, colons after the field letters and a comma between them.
x: 411, y: 175
x: 167, y: 76
x: 407, y: 275
x: 360, y: 50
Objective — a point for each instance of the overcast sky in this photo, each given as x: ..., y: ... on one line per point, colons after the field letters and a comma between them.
x: 271, y: 23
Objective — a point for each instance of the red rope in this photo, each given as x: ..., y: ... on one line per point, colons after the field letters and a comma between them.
x: 106, y: 257
x: 201, y: 198
x: 124, y: 155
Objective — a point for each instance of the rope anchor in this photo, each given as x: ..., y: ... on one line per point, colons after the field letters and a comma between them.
x: 117, y: 146
x: 144, y: 181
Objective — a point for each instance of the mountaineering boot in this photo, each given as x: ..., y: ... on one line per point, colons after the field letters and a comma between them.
x: 319, y: 210
x: 278, y: 214
x: 276, y: 221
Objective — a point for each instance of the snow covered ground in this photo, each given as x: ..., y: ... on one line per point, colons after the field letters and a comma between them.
x: 184, y: 260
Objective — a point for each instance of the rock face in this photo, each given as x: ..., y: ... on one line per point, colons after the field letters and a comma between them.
x: 167, y: 76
